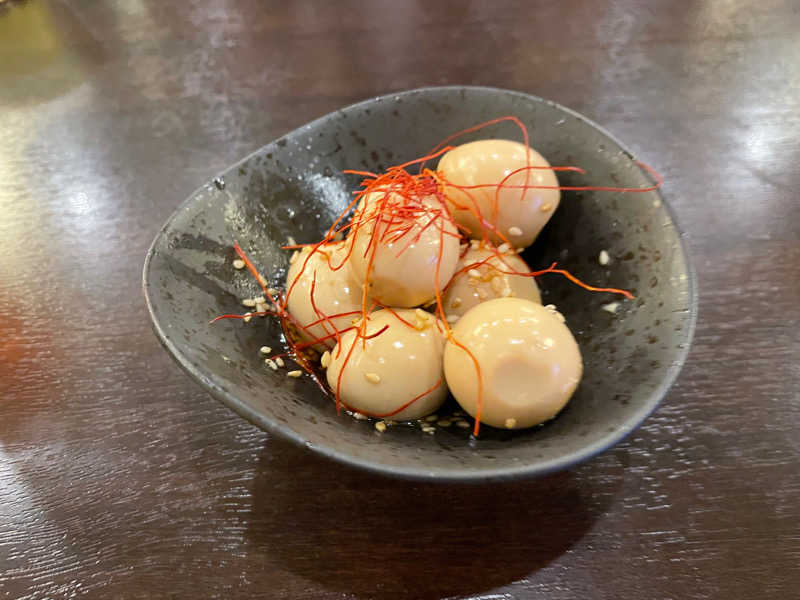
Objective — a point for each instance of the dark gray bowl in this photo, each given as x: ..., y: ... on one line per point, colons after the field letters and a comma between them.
x: 294, y: 186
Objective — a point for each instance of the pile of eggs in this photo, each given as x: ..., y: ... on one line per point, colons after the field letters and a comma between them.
x: 452, y: 305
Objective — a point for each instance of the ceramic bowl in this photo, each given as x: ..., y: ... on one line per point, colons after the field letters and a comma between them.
x: 294, y: 186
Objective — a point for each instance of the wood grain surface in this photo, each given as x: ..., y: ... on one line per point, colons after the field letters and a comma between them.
x: 120, y: 478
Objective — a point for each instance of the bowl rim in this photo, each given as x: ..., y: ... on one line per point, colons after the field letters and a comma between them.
x: 421, y: 474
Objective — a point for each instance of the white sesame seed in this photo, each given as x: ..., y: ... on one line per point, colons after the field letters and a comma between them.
x: 497, y: 284
x: 611, y: 307
x: 428, y: 429
x: 521, y: 249
x: 380, y: 426
x: 545, y: 207
x: 474, y: 273
x: 248, y: 302
x: 297, y: 373
x: 603, y: 258
x: 503, y: 248
x: 444, y: 422
x: 463, y: 424
x: 548, y: 342
x: 359, y: 417
x: 456, y: 302
x: 550, y: 307
x: 290, y: 241
x: 247, y: 317
x: 422, y: 315
x: 372, y: 377
x: 271, y: 364
x: 515, y: 231
x: 325, y: 360
x: 265, y: 349
x: 238, y: 264
x: 432, y: 418
x: 511, y: 423
x: 279, y: 362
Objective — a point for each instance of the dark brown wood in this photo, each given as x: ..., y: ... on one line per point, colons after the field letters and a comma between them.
x: 121, y: 478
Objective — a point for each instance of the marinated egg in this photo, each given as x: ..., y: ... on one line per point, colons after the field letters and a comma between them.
x: 518, y: 214
x: 530, y: 363
x: 394, y: 369
x: 482, y: 274
x: 335, y: 292
x: 404, y: 239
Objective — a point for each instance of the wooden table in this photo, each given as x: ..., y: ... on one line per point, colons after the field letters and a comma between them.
x: 120, y: 478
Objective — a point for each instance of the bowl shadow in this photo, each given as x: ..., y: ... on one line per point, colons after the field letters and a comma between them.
x: 373, y: 536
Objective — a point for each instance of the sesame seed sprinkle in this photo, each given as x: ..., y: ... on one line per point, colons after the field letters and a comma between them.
x: 238, y: 264
x: 372, y: 377
x: 511, y: 423
x: 603, y: 258
x: 611, y: 307
x: 279, y: 362
x: 380, y: 426
x: 248, y: 302
x: 545, y: 207
x: 515, y: 231
x: 325, y: 360
x: 265, y: 349
x: 297, y: 373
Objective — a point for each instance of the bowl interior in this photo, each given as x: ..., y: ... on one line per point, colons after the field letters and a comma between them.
x: 294, y: 187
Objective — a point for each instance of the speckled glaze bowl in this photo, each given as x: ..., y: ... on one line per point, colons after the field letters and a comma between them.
x: 293, y: 186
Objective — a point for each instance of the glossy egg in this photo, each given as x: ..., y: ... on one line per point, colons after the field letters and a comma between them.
x: 336, y: 291
x: 404, y: 248
x: 393, y: 370
x: 530, y: 363
x: 482, y: 274
x: 518, y: 215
